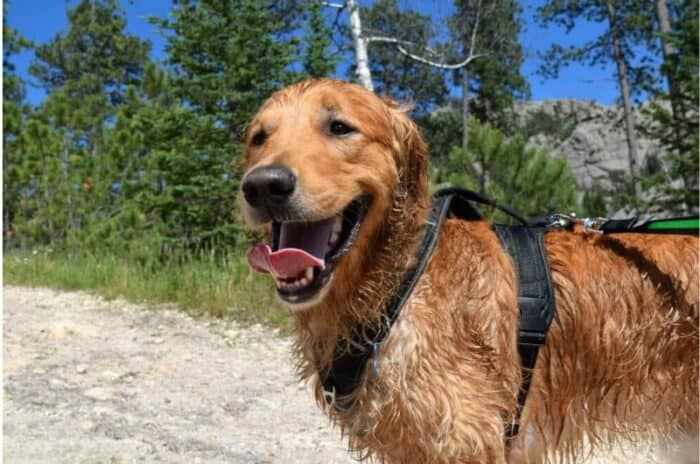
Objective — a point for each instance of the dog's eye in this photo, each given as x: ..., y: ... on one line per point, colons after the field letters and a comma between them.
x: 258, y: 139
x: 340, y: 128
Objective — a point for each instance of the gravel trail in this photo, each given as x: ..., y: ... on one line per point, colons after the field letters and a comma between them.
x: 94, y: 381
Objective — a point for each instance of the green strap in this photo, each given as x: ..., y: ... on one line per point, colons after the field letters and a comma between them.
x: 674, y: 224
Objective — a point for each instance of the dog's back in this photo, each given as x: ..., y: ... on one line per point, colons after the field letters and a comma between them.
x: 621, y: 359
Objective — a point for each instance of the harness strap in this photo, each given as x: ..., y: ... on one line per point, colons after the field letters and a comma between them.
x: 535, y: 301
x: 344, y: 374
x: 462, y: 208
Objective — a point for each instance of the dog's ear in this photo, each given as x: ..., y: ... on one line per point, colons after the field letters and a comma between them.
x: 412, y: 156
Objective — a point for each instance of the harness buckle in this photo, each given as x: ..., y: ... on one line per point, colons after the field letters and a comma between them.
x: 594, y: 224
x: 560, y: 220
x: 329, y: 397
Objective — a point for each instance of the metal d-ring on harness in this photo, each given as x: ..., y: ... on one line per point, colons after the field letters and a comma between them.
x: 524, y: 243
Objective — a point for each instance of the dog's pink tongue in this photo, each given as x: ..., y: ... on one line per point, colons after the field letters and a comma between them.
x: 302, y: 245
x: 285, y: 263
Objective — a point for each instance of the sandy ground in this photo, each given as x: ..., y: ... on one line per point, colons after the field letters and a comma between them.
x: 94, y: 381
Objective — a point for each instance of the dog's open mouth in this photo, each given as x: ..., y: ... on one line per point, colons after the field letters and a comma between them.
x: 303, y: 254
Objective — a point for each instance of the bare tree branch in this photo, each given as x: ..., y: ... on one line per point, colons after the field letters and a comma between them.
x: 394, y: 40
x: 459, y: 65
x: 472, y: 42
x: 340, y: 6
x: 401, y: 47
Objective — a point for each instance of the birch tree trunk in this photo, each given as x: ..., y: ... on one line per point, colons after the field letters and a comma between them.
x: 630, y: 131
x: 360, y: 45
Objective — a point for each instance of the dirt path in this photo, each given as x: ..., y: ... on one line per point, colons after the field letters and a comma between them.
x: 91, y: 381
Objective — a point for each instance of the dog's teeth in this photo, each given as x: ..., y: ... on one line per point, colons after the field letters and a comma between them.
x: 333, y: 238
x: 306, y: 278
x: 335, y: 232
x: 338, y: 224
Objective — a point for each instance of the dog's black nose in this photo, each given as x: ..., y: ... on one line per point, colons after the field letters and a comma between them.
x: 268, y: 184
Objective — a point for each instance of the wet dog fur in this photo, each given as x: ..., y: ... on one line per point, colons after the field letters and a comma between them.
x: 621, y: 357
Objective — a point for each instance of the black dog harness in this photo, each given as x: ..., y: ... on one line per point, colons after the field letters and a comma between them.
x: 524, y: 243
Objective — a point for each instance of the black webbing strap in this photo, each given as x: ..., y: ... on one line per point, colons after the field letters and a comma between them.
x: 535, y: 300
x: 344, y: 374
x: 462, y: 208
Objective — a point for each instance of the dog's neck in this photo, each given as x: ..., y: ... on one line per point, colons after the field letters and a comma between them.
x: 349, y: 308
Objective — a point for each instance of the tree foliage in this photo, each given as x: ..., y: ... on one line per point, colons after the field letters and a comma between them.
x: 495, y: 78
x: 673, y: 115
x: 598, y: 51
x: 317, y: 60
x: 531, y: 180
x: 14, y: 112
x: 66, y: 176
x: 216, y: 79
x: 396, y: 75
x: 125, y: 153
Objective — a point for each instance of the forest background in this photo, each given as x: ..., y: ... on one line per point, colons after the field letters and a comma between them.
x: 121, y: 176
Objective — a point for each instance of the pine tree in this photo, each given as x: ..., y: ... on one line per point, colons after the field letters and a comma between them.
x: 224, y: 59
x: 615, y: 45
x: 86, y: 71
x: 14, y: 113
x: 442, y: 130
x: 52, y: 174
x: 317, y: 61
x: 674, y: 113
x: 489, y: 29
x: 529, y: 179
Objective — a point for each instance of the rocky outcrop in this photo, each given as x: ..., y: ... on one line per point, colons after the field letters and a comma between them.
x: 591, y: 137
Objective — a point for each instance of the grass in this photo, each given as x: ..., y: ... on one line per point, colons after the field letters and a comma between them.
x: 219, y: 286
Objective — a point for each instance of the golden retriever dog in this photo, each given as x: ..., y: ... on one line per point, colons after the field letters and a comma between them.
x: 338, y: 178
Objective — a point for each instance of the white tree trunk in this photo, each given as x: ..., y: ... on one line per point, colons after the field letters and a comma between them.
x: 361, y: 60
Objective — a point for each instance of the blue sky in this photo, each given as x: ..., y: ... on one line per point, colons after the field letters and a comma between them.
x: 40, y: 20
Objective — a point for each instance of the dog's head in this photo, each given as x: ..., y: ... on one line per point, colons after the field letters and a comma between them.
x: 324, y: 162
